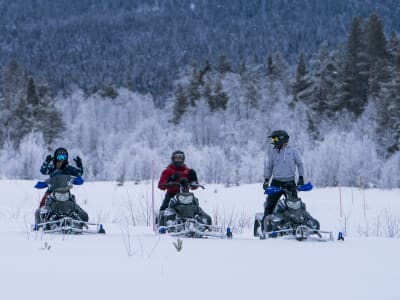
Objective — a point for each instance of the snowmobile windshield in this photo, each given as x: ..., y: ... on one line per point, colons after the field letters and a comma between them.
x: 293, y: 204
x: 61, y: 183
x: 61, y: 196
x: 185, y: 198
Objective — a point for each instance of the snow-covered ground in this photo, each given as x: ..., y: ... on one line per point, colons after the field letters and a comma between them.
x: 132, y: 262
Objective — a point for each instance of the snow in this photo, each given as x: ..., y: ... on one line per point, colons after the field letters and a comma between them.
x: 131, y: 262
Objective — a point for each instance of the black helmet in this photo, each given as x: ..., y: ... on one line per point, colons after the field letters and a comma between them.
x: 279, y: 137
x: 178, y: 158
x: 61, y: 154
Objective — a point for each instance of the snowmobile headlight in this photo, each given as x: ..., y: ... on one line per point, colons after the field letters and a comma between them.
x: 293, y: 204
x: 61, y: 196
x: 185, y: 199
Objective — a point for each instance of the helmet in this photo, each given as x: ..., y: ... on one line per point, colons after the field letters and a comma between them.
x: 178, y: 158
x: 61, y: 154
x: 279, y: 137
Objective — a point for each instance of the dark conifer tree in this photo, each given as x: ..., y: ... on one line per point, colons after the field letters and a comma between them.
x: 180, y: 105
x: 223, y: 65
x: 377, y: 54
x: 302, y: 82
x: 354, y: 74
x: 194, y: 87
x: 48, y: 118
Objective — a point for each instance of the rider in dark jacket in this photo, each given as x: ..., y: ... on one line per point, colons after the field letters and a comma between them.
x: 58, y: 164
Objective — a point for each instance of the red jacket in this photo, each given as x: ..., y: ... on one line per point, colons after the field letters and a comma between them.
x: 183, y: 172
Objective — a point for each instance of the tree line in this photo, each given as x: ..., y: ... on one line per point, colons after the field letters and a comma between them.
x: 342, y: 103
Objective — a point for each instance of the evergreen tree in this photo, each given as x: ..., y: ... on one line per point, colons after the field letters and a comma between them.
x: 393, y: 49
x: 271, y: 70
x: 48, y: 118
x: 180, y: 105
x: 194, y: 87
x: 354, y: 74
x: 377, y: 54
x: 16, y: 119
x: 324, y: 84
x: 204, y: 71
x: 302, y: 82
x: 218, y: 99
x: 31, y: 95
x: 376, y: 40
x: 223, y: 65
x: 272, y: 76
x: 251, y: 91
x: 276, y: 76
x: 388, y: 114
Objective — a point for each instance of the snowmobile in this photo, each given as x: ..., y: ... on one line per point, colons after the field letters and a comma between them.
x: 185, y: 217
x: 289, y: 218
x: 59, y: 215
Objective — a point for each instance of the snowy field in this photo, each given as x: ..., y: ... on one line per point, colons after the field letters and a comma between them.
x: 132, y: 262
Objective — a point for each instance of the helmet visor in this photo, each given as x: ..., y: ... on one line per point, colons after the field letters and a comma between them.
x: 178, y: 157
x: 62, y: 156
x: 274, y: 139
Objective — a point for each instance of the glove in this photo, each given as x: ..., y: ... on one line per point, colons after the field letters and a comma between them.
x: 48, y: 158
x: 173, y: 177
x: 192, y: 176
x: 193, y: 184
x: 301, y: 181
x: 266, y: 183
x: 173, y: 202
x: 78, y: 162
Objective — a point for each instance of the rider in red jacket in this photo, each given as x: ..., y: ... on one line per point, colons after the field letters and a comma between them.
x: 174, y: 173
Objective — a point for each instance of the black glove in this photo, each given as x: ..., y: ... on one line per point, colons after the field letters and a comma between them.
x: 266, y: 183
x: 301, y: 181
x: 192, y: 176
x: 173, y: 177
x: 48, y: 158
x: 78, y: 162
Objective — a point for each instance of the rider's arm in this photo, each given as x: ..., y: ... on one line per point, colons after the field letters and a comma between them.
x: 76, y: 171
x: 299, y: 162
x: 46, y: 168
x: 162, y: 183
x: 268, y: 165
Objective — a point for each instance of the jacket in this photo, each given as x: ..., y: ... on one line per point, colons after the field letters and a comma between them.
x: 183, y: 172
x: 281, y: 164
x: 50, y: 169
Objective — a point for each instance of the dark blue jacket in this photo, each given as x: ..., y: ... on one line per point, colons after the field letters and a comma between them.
x: 50, y: 169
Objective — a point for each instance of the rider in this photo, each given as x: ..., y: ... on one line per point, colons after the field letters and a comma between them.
x: 58, y: 165
x: 281, y: 165
x: 172, y: 175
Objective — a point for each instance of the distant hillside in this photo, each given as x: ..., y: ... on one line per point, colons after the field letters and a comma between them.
x: 143, y: 44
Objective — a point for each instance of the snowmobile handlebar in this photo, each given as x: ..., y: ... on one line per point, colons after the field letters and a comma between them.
x: 191, y: 185
x: 44, y: 184
x: 302, y: 188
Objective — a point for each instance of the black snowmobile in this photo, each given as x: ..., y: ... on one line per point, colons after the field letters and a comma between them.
x: 60, y: 214
x: 185, y: 217
x: 289, y: 218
